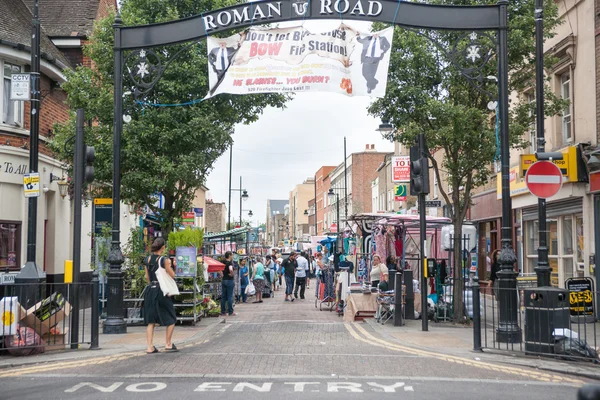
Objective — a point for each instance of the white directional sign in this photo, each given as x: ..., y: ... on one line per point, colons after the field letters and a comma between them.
x: 20, y: 87
x: 31, y: 184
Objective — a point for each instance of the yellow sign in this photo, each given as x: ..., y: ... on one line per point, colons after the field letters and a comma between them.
x: 102, y: 201
x: 31, y: 184
x: 517, y: 183
x: 568, y: 165
x: 68, y: 271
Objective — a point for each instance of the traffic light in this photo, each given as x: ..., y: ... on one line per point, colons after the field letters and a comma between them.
x: 89, y: 156
x: 419, y: 171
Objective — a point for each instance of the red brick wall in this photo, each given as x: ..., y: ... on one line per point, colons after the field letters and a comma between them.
x: 364, y: 171
x: 321, y: 192
x: 53, y: 109
x: 105, y: 7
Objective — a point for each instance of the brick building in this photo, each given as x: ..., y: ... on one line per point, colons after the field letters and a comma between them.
x: 321, y: 197
x: 62, y: 21
x: 215, y: 217
x: 361, y: 170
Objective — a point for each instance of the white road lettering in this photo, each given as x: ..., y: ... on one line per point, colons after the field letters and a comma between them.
x: 387, y: 388
x: 299, y: 386
x: 266, y: 387
x: 154, y: 387
x: 335, y: 387
x: 108, y: 389
x: 212, y: 387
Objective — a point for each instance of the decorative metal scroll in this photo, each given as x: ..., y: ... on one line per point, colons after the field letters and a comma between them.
x: 145, y: 68
x: 470, y: 53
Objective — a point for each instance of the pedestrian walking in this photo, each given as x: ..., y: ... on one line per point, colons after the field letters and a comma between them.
x: 279, y: 261
x: 289, y: 269
x: 271, y: 269
x: 158, y: 309
x: 244, y: 278
x: 309, y: 271
x: 258, y: 279
x: 318, y: 267
x: 227, y: 286
x: 301, y: 267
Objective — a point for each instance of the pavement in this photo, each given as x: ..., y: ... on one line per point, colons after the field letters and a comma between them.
x: 286, y: 348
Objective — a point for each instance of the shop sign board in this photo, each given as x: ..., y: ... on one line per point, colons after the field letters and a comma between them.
x: 400, y: 169
x: 527, y: 160
x: 31, y: 184
x: 20, y: 87
x: 186, y: 261
x: 544, y: 179
x: 400, y: 193
x: 188, y: 218
x: 581, y: 298
x: 102, y: 212
x: 199, y: 212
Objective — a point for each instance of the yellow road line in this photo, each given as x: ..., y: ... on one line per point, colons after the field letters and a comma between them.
x: 372, y: 340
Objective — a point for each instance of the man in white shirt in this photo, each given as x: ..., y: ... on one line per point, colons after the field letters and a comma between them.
x: 374, y: 47
x: 302, y: 266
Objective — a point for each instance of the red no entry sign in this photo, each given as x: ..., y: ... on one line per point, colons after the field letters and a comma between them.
x: 543, y: 179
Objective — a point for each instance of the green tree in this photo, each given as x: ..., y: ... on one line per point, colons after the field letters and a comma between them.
x: 427, y: 94
x: 165, y: 150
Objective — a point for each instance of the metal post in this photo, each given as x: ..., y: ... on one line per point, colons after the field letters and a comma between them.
x: 476, y: 315
x: 240, y: 201
x: 115, y: 323
x: 542, y: 269
x: 316, y: 206
x: 345, y: 184
x: 230, y: 167
x: 508, y: 329
x: 34, y: 133
x: 337, y: 204
x: 78, y: 167
x: 95, y: 311
x: 423, y: 235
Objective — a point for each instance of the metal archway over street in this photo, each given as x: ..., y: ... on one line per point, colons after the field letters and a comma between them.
x: 401, y: 13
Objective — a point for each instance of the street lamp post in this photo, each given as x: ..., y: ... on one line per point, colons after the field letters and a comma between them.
x: 243, y: 197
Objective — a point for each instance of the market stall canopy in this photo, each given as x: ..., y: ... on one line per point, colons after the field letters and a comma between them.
x: 225, y: 234
x: 407, y: 221
x: 213, y: 265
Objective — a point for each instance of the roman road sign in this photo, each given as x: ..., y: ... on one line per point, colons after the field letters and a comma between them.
x: 544, y: 179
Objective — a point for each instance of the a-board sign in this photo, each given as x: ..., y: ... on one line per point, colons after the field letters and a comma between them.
x: 581, y: 296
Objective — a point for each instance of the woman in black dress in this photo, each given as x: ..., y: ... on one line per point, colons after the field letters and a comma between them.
x: 158, y: 309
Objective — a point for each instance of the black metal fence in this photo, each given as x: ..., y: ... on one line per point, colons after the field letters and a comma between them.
x: 546, y: 321
x: 39, y: 317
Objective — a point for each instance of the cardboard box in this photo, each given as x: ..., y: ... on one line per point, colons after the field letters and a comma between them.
x: 43, y: 327
x: 56, y: 341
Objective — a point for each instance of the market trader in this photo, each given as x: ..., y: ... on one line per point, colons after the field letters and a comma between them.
x: 289, y: 266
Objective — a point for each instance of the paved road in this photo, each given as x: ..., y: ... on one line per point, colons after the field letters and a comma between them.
x: 290, y: 349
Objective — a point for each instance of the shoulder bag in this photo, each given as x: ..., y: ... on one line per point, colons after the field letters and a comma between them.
x: 167, y: 284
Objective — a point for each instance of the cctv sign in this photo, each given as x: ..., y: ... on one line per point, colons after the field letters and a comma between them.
x: 20, y: 88
x: 400, y: 169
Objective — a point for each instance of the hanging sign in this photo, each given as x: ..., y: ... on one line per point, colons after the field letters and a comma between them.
x: 261, y: 60
x: 400, y: 169
x: 31, y: 184
x: 20, y: 87
x: 400, y: 193
x: 187, y: 218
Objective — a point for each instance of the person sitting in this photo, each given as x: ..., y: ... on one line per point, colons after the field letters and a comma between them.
x: 384, y: 283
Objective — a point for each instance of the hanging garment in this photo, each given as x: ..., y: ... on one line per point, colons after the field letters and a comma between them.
x: 328, y: 279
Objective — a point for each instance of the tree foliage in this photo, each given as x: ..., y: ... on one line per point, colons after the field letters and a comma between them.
x: 427, y: 94
x: 165, y: 150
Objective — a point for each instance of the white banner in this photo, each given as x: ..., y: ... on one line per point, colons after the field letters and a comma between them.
x: 295, y: 60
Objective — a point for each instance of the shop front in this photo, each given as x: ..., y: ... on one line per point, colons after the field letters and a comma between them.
x: 569, y: 223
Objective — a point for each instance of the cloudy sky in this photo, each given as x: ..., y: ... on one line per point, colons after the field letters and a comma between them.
x: 284, y: 147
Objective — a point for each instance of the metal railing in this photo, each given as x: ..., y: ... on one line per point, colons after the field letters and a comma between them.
x: 38, y: 317
x: 549, y: 321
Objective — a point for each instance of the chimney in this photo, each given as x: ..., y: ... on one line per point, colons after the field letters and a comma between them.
x: 372, y: 147
x: 367, y: 146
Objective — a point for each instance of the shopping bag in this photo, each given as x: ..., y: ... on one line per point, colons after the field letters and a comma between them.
x: 167, y: 284
x: 250, y: 289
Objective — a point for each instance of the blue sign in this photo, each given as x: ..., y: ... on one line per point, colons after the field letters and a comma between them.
x: 199, y: 212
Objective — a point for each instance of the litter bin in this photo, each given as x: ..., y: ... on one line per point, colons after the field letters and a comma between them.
x: 30, y: 285
x: 546, y: 309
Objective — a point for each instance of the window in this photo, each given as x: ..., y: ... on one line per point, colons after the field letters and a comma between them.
x: 12, y: 111
x: 532, y: 125
x: 10, y: 236
x: 565, y: 93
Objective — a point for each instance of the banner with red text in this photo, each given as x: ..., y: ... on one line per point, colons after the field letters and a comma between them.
x: 343, y: 60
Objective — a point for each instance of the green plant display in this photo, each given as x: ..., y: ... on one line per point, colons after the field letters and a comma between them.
x: 188, y: 237
x: 135, y: 251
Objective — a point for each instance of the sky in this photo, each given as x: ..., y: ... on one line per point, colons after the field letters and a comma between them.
x: 285, y: 147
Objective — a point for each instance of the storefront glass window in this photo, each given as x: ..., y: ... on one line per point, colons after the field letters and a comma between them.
x: 567, y: 238
x: 552, y: 226
x: 9, y: 245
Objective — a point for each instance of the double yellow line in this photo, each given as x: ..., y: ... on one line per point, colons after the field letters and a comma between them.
x: 366, y: 337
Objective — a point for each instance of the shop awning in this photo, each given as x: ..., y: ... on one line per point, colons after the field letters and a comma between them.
x: 213, y: 265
